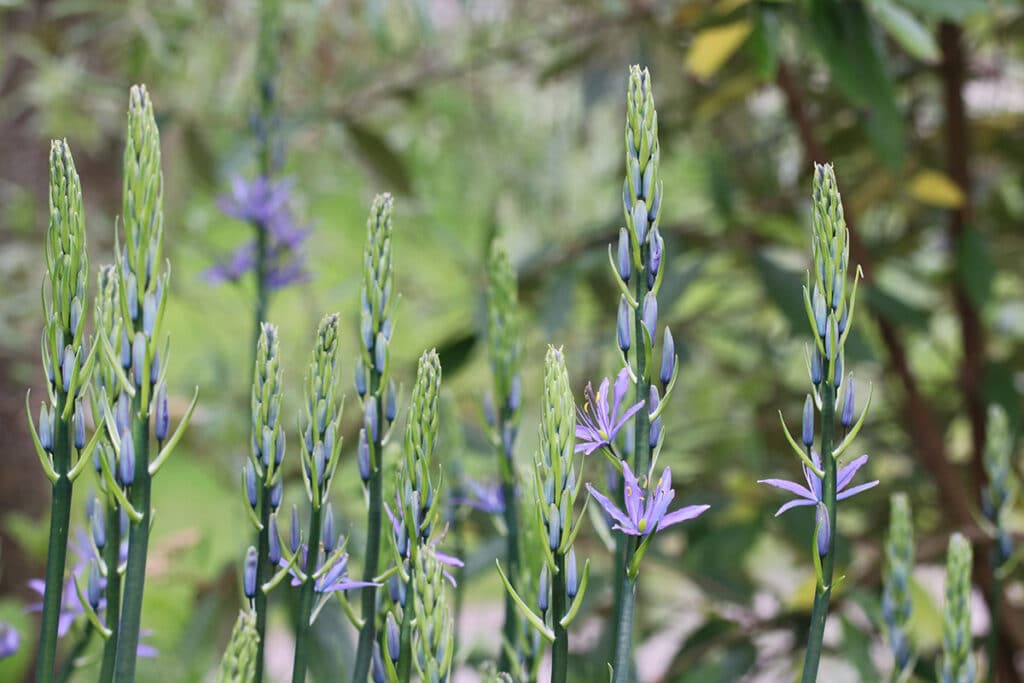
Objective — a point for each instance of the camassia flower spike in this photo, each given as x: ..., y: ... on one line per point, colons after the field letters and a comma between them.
x: 811, y: 494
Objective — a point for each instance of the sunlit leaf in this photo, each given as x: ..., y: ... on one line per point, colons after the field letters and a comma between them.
x: 937, y: 189
x: 712, y: 47
x: 905, y: 29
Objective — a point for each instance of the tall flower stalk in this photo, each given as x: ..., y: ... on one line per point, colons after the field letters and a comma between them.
x: 829, y: 302
x: 142, y: 294
x: 262, y: 475
x: 378, y: 396
x: 67, y: 373
x: 504, y: 349
x: 997, y: 501
x: 897, y: 603
x: 957, y: 664
x: 556, y: 485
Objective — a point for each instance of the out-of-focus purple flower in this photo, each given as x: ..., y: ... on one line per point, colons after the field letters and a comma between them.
x: 398, y: 529
x: 264, y: 204
x: 600, y: 423
x: 811, y: 494
x: 10, y: 640
x: 486, y: 498
x: 646, y: 510
x: 334, y: 579
x: 70, y: 607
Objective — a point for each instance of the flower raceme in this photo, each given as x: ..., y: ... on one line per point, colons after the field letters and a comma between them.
x: 599, y: 422
x: 812, y: 494
x: 646, y: 510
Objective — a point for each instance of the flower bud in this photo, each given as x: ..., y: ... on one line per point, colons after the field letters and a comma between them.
x: 393, y: 639
x: 846, y: 417
x: 668, y: 357
x: 622, y: 330
x: 76, y: 314
x: 329, y: 538
x: 363, y: 457
x: 508, y: 438
x: 489, y: 409
x: 94, y: 590
x: 162, y: 421
x: 294, y: 538
x: 279, y: 447
x: 380, y: 352
x: 571, y: 580
x: 249, y: 474
x: 249, y: 574
x: 396, y: 590
x: 807, y: 427
x: 640, y: 220
x: 377, y: 665
x: 276, y: 491
x: 366, y: 331
x: 391, y: 403
x: 652, y: 405
x: 515, y: 394
x: 79, y: 426
x: 45, y: 429
x: 360, y: 377
x: 139, y: 359
x: 370, y: 419
x: 843, y: 319
x: 319, y: 464
x: 266, y: 445
x: 123, y: 412
x: 97, y: 524
x: 838, y: 376
x: 650, y: 314
x: 542, y: 590
x: 132, y: 296
x: 154, y: 368
x: 837, y: 290
x: 126, y: 351
x: 625, y: 258
x: 554, y: 527
x: 824, y: 532
x: 67, y: 368
x: 149, y: 314
x: 126, y: 460
x: 274, y: 541
x: 818, y: 308
x: 385, y: 326
x: 654, y: 258
x: 816, y: 363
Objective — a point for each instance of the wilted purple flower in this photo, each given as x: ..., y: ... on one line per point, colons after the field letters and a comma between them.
x: 487, y: 498
x: 263, y: 203
x: 600, y: 423
x: 645, y: 510
x: 811, y: 494
x: 9, y: 640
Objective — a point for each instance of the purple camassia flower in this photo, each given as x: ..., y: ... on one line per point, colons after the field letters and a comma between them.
x: 335, y: 579
x: 445, y: 559
x: 600, y: 423
x: 9, y: 640
x: 811, y: 495
x: 263, y: 203
x: 644, y: 517
x: 486, y: 498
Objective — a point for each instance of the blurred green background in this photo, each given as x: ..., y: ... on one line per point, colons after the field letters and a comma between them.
x: 505, y: 118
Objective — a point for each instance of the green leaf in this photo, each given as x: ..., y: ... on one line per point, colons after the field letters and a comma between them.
x: 375, y: 151
x: 712, y: 47
x: 953, y: 10
x: 974, y: 267
x: 905, y: 29
x: 764, y: 43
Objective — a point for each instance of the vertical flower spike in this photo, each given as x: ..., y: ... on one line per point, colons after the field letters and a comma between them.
x: 504, y: 347
x: 63, y: 350
x: 896, y: 593
x: 957, y: 660
x: 239, y: 662
x: 321, y: 444
x: 433, y: 629
x: 140, y: 280
x: 376, y: 301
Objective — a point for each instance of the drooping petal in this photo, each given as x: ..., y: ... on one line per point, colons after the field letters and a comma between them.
x: 682, y: 514
x: 856, y: 489
x: 615, y: 513
x: 614, y: 429
x: 847, y: 472
x: 790, y: 486
x: 621, y: 387
x: 799, y: 502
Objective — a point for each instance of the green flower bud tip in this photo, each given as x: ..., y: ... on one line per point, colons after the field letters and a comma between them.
x: 897, y: 602
x: 957, y: 662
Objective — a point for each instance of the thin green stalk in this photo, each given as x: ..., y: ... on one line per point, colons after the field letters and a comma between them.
x: 560, y: 648
x: 824, y: 591
x: 510, y: 630
x: 262, y: 295
x: 262, y: 574
x: 57, y: 550
x: 367, y: 633
x: 302, y: 633
x: 624, y: 645
x: 76, y: 652
x: 995, y: 602
x: 405, y: 647
x: 138, y: 548
x: 112, y: 558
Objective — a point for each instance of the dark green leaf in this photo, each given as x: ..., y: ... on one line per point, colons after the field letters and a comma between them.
x: 455, y: 351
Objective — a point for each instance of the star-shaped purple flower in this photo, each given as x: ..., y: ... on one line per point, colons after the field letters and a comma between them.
x: 598, y: 423
x: 333, y: 580
x: 811, y: 494
x: 646, y: 511
x: 486, y: 498
x: 9, y: 640
x: 402, y: 541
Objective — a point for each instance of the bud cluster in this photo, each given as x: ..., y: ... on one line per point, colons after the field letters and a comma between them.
x: 957, y: 661
x: 321, y: 415
x: 897, y: 602
x: 262, y: 475
x: 1000, y: 493
x: 239, y: 662
x: 504, y: 349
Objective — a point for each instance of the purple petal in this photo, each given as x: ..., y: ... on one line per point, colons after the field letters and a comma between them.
x: 795, y: 503
x: 614, y: 512
x: 621, y: 387
x: 628, y: 414
x: 681, y: 515
x: 790, y: 486
x: 846, y: 473
x: 632, y: 494
x: 449, y: 560
x: 856, y: 489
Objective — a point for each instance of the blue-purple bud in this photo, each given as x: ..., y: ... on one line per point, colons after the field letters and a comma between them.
x: 45, y: 429
x: 279, y: 447
x: 329, y: 538
x: 489, y: 409
x: 94, y: 590
x: 76, y: 314
x: 380, y: 352
x: 515, y: 395
x: 126, y: 460
x: 508, y: 438
x: 266, y: 445
x: 79, y: 424
x: 554, y: 527
x: 837, y: 291
x: 542, y: 590
x: 622, y: 332
x: 97, y: 524
x: 385, y: 327
x: 846, y: 417
x: 393, y: 639
x: 360, y: 377
x: 162, y: 421
x: 816, y: 366
x: 139, y: 359
x: 640, y: 220
x: 67, y: 368
x: 123, y: 413
x: 391, y: 403
x: 249, y: 574
x: 294, y: 538
x: 843, y: 320
x: 396, y: 590
x: 652, y: 405
x: 818, y: 308
x: 320, y: 463
x: 249, y: 474
x: 370, y: 419
x: 831, y: 339
x: 654, y: 257
x: 377, y: 665
x: 571, y: 579
x: 650, y: 314
x: 824, y: 532
x: 648, y: 180
x: 126, y: 351
x: 99, y: 452
x: 276, y: 491
x: 366, y: 331
x: 625, y: 258
x: 274, y: 542
x: 838, y: 376
x: 132, y: 296
x: 668, y: 357
x: 363, y: 457
x: 149, y: 314
x: 807, y: 426
x: 154, y: 368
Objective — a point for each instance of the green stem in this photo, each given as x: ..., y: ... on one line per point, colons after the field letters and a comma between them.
x: 510, y: 630
x: 262, y: 296
x: 560, y: 649
x: 76, y: 652
x: 824, y: 592
x: 624, y: 645
x: 112, y: 558
x: 368, y: 632
x: 138, y: 548
x: 302, y: 632
x: 57, y: 550
x: 405, y: 646
x: 995, y: 602
x: 263, y: 572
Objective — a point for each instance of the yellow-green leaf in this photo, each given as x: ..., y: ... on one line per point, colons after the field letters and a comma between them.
x: 937, y: 189
x: 712, y: 47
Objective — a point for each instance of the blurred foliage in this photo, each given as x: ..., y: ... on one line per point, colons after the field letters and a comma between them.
x: 505, y: 119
